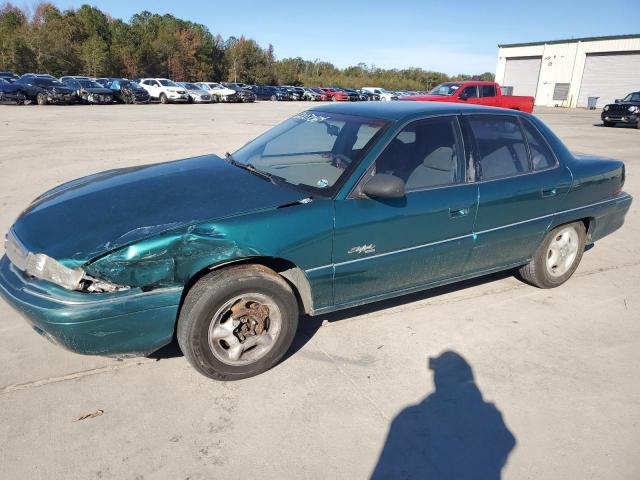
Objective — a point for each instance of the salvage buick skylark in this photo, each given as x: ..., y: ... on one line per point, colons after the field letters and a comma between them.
x: 338, y: 206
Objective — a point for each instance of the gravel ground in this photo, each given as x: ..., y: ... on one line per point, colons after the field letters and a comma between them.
x: 556, y: 371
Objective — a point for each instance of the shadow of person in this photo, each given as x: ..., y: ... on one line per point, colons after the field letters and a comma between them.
x: 453, y: 434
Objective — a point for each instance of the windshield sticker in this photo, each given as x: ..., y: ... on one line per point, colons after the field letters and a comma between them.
x: 310, y: 117
x: 322, y: 183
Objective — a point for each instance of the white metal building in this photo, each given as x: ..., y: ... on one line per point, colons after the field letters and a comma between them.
x: 567, y: 72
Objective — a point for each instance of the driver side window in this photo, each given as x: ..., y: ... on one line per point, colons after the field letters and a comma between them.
x: 424, y: 154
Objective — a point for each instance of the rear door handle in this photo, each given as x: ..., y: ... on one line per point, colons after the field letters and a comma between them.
x: 549, y: 192
x: 458, y: 212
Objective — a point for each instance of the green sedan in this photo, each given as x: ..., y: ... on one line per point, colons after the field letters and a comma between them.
x: 338, y: 206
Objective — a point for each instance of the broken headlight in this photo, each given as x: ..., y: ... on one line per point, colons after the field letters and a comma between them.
x: 44, y: 267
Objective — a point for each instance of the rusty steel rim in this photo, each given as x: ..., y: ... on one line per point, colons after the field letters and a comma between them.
x: 245, y: 329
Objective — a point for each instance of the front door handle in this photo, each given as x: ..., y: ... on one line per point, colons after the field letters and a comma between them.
x: 549, y: 192
x: 458, y: 212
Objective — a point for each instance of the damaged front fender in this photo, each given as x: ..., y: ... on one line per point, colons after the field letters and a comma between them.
x: 170, y: 258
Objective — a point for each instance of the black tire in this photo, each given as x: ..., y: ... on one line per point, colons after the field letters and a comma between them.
x: 209, y: 294
x: 41, y: 98
x: 638, y: 124
x: 163, y: 99
x: 538, y: 274
x: 608, y: 124
x: 274, y: 98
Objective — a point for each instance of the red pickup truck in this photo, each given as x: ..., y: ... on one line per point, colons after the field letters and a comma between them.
x: 479, y: 93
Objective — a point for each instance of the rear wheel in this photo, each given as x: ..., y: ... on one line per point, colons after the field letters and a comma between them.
x: 557, y: 257
x: 334, y: 99
x: 237, y: 322
x: 41, y: 98
x: 608, y: 124
x: 273, y: 98
x: 163, y: 99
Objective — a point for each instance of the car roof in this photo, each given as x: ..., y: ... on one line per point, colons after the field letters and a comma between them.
x: 402, y: 109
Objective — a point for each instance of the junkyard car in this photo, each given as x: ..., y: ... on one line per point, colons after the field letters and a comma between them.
x: 88, y: 91
x: 127, y: 91
x: 219, y: 92
x: 10, y: 77
x: 45, y: 89
x: 626, y: 111
x: 11, y: 93
x: 313, y: 95
x: 244, y: 94
x: 164, y: 90
x: 338, y: 206
x: 196, y: 94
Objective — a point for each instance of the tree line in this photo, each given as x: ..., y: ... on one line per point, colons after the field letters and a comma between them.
x: 90, y: 42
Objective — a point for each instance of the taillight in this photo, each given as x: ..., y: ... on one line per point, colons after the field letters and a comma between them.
x: 618, y: 188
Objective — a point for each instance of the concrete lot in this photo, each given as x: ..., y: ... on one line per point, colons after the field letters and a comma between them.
x: 561, y: 366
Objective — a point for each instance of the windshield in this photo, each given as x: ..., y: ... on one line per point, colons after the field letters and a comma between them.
x: 315, y: 151
x: 446, y: 89
x: 632, y: 97
x: 47, y: 82
x: 167, y: 83
x: 89, y: 84
x: 190, y: 86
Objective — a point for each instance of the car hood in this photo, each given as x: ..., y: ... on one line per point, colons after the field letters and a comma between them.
x: 85, y: 218
x: 626, y: 104
x: 98, y: 91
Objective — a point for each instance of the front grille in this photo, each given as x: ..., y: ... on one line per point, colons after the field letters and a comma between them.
x: 15, y: 250
x: 618, y: 108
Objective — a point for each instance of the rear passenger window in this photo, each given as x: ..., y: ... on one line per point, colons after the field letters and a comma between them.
x: 541, y: 156
x: 488, y: 91
x: 424, y: 154
x: 501, y: 150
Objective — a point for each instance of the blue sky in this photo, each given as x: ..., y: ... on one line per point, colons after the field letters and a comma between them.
x: 449, y: 36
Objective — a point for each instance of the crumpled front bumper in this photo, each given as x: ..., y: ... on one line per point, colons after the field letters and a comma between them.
x: 126, y: 322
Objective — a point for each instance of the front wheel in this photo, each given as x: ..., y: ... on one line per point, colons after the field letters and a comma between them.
x: 41, y: 98
x: 237, y: 322
x: 557, y: 257
x: 163, y: 99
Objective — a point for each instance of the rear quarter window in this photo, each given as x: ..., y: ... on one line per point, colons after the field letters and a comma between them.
x: 541, y: 155
x: 501, y: 150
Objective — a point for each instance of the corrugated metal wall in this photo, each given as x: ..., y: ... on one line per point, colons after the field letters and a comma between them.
x: 609, y: 76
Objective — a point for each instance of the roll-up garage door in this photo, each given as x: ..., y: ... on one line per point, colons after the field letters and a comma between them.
x: 522, y: 74
x: 609, y: 76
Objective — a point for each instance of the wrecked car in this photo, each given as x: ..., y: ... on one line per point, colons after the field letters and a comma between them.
x: 127, y: 91
x: 196, y: 93
x: 88, y: 91
x: 10, y: 93
x: 45, y: 89
x: 338, y: 206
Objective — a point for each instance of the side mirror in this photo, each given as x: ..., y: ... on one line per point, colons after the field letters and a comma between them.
x: 383, y: 185
x: 463, y: 96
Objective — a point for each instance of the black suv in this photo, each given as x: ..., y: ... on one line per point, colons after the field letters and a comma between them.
x: 626, y: 111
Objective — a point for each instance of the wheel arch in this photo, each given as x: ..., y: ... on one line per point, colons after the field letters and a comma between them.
x: 588, y: 222
x: 288, y: 270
